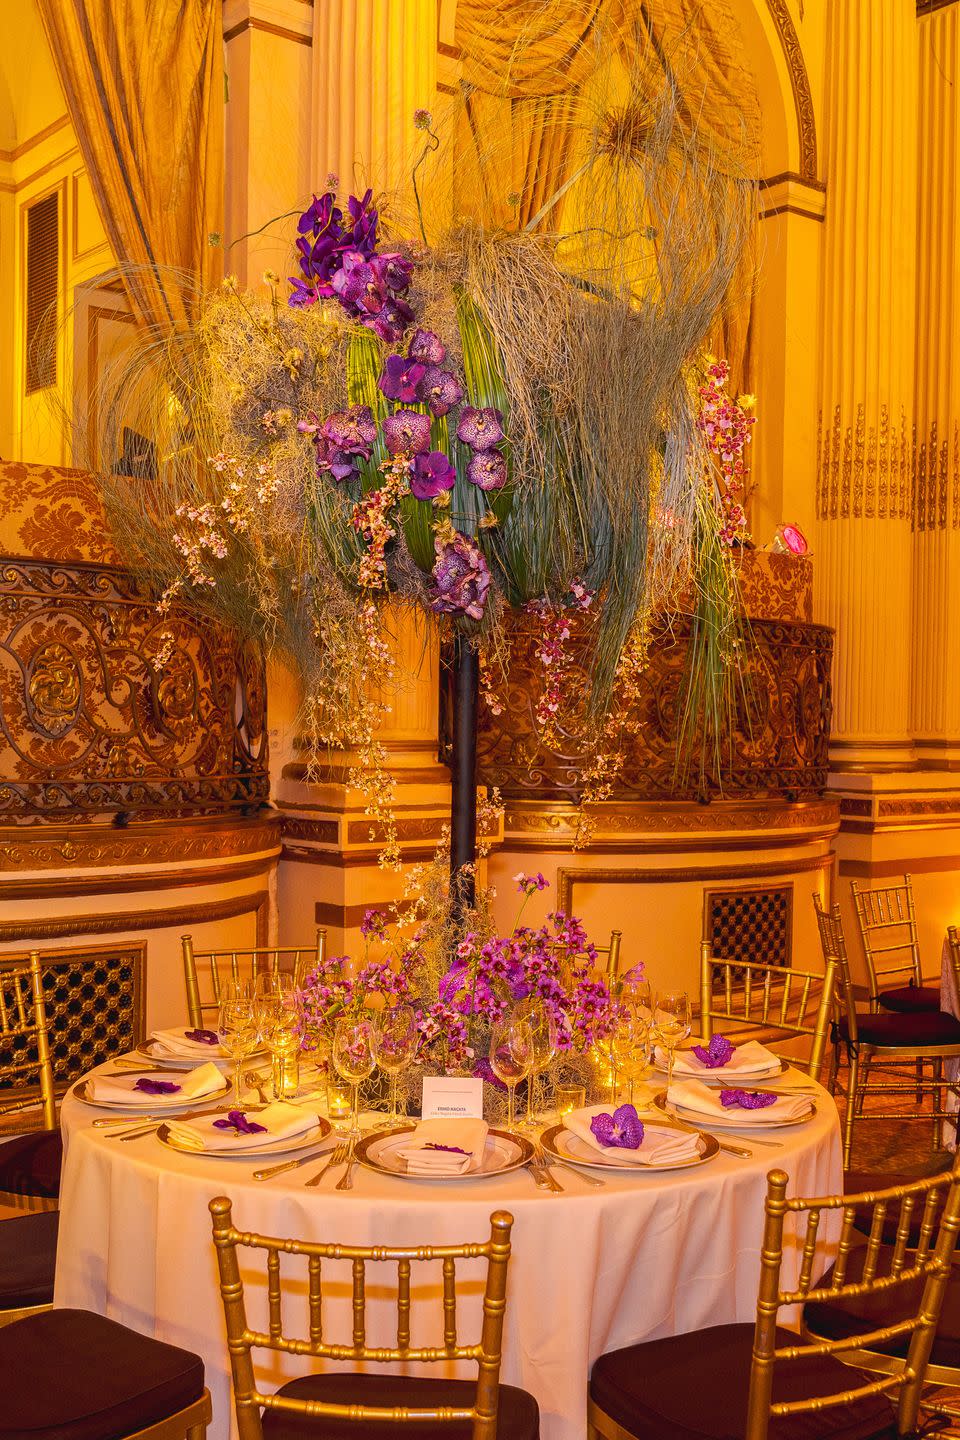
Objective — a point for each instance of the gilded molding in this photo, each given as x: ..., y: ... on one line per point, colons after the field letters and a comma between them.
x: 567, y: 879
x: 800, y: 85
x: 137, y: 921
x: 936, y: 480
x: 865, y: 471
x: 35, y: 848
x: 688, y: 820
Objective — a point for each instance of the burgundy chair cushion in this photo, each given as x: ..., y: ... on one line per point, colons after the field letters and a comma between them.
x: 846, y: 1316
x: 908, y: 999
x: 28, y: 1256
x: 695, y: 1387
x: 73, y: 1375
x: 518, y: 1416
x: 30, y: 1164
x: 912, y: 1031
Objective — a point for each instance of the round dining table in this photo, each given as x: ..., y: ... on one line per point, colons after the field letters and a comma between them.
x: 592, y: 1269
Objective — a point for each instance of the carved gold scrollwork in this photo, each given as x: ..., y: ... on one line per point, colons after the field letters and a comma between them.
x: 54, y: 687
x: 865, y: 470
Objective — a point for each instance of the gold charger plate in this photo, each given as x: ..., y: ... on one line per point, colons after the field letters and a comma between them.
x: 577, y: 1152
x: 717, y: 1077
x: 150, y: 1102
x: 216, y: 1057
x: 514, y: 1150
x: 720, y: 1122
x: 320, y: 1131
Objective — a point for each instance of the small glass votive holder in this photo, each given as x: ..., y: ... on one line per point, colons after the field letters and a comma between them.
x: 567, y: 1098
x: 339, y: 1102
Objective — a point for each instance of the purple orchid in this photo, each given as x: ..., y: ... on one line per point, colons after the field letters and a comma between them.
x: 483, y: 1070
x: 331, y: 460
x: 623, y: 1130
x: 530, y: 884
x: 357, y: 285
x: 339, y: 260
x: 392, y: 320
x: 440, y: 389
x: 401, y: 379
x: 157, y: 1087
x: 352, y: 431
x: 447, y: 1149
x: 461, y: 578
x: 374, y: 922
x: 321, y: 216
x: 488, y: 470
x: 236, y: 1120
x: 431, y: 475
x: 480, y: 429
x: 396, y: 271
x: 426, y: 347
x: 747, y: 1099
x: 407, y: 432
x: 202, y: 1037
x: 718, y: 1053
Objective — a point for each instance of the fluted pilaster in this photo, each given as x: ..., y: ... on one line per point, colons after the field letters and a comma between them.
x: 936, y: 675
x: 864, y: 482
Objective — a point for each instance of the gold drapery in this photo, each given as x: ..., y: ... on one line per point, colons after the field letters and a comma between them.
x: 143, y: 80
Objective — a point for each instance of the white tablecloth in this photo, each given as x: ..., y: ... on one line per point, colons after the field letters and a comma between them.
x: 647, y: 1256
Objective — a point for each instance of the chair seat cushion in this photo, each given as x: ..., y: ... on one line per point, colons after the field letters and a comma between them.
x: 30, y: 1164
x: 925, y: 1027
x: 28, y: 1256
x: 908, y: 999
x: 846, y: 1316
x: 73, y: 1375
x: 695, y: 1387
x: 518, y: 1415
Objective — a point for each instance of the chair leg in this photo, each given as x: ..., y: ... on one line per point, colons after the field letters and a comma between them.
x: 854, y: 1097
x: 864, y: 1080
x: 834, y: 1069
x: 938, y: 1104
x: 919, y: 1082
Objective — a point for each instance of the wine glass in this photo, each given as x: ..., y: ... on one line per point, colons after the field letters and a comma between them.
x: 629, y: 1042
x: 511, y: 1055
x: 353, y: 1058
x: 394, y: 1041
x: 237, y: 1026
x: 278, y: 1021
x: 543, y: 1034
x: 671, y: 1023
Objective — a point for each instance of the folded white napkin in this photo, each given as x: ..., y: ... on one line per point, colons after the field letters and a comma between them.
x: 699, y: 1098
x: 279, y: 1121
x: 175, y: 1042
x: 204, y: 1080
x: 750, y: 1059
x: 468, y: 1136
x: 659, y: 1146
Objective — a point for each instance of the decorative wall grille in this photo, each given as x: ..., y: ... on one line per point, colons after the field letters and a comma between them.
x: 752, y: 925
x: 43, y: 292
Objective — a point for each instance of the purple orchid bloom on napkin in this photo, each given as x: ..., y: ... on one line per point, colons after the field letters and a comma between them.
x: 623, y: 1129
x: 156, y: 1087
x: 202, y: 1037
x: 447, y: 1149
x: 236, y: 1120
x: 718, y: 1052
x: 747, y: 1099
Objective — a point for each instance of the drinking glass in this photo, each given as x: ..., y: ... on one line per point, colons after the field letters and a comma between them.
x: 543, y: 1035
x: 238, y: 1031
x: 671, y: 1023
x: 511, y: 1054
x: 394, y: 1042
x: 629, y: 1042
x: 353, y: 1058
x: 279, y: 1024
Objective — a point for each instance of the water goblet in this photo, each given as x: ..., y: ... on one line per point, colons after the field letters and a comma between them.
x: 671, y: 1023
x: 277, y: 1010
x: 237, y: 1026
x: 511, y: 1054
x: 394, y: 1043
x: 543, y: 1034
x: 629, y: 1042
x: 353, y: 1058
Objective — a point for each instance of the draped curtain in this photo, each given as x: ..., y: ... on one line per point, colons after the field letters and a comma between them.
x: 143, y: 80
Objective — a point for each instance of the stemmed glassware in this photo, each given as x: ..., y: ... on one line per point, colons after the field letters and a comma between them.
x: 671, y: 1023
x: 543, y: 1035
x: 511, y: 1055
x: 629, y: 1042
x: 237, y: 1026
x: 279, y: 1024
x: 394, y: 1043
x: 353, y: 1058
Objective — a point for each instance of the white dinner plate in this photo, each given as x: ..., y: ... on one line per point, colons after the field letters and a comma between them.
x: 722, y: 1076
x: 148, y: 1103
x: 217, y: 1055
x: 734, y: 1119
x: 503, y: 1152
x: 564, y: 1145
x: 269, y: 1147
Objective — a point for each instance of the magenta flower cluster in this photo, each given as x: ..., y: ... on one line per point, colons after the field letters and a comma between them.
x: 623, y: 1130
x: 717, y: 1054
x: 341, y: 441
x: 461, y: 578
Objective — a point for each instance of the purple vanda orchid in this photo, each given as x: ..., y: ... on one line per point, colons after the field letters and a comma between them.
x: 481, y: 429
x: 407, y: 432
x: 461, y: 579
x: 237, y: 1120
x: 401, y: 379
x: 488, y: 470
x: 717, y: 1054
x: 747, y: 1099
x: 432, y: 474
x: 623, y: 1130
x: 156, y: 1087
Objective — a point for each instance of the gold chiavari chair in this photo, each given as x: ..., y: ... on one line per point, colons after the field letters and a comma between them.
x: 30, y: 1163
x: 349, y: 1402
x: 747, y: 1000
x: 888, y: 931
x: 237, y: 965
x: 897, y: 1040
x: 763, y: 1380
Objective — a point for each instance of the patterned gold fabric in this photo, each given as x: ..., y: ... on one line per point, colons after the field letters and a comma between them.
x: 48, y: 513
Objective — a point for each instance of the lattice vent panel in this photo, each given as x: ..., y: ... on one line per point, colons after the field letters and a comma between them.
x: 751, y: 925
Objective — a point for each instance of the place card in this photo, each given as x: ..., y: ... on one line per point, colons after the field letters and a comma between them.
x: 451, y: 1097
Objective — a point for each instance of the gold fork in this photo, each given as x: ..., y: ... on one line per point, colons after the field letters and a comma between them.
x: 338, y: 1157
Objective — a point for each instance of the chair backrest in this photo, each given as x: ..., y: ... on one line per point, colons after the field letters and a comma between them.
x: 770, y: 1002
x: 224, y: 965
x: 23, y: 1027
x: 888, y: 931
x: 889, y: 1269
x: 834, y: 947
x: 241, y: 1339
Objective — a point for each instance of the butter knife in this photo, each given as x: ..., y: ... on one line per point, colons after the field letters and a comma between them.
x: 289, y: 1165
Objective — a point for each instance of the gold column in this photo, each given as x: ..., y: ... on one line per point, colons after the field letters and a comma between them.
x: 374, y: 63
x: 864, y: 494
x: 936, y: 675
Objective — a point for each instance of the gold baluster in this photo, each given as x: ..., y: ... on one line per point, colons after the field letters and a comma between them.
x: 403, y: 1304
x: 359, y: 1306
x: 273, y: 1293
x: 449, y: 1304
x: 315, y: 1299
